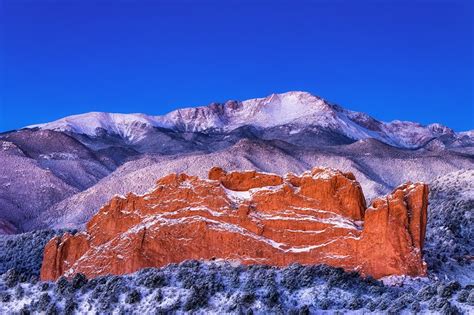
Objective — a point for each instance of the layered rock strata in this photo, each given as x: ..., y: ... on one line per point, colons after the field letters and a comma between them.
x: 317, y: 217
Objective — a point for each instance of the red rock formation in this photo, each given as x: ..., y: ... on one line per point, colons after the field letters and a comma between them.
x: 318, y: 217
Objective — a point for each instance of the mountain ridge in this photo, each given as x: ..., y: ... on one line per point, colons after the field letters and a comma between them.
x: 296, y: 109
x: 68, y: 175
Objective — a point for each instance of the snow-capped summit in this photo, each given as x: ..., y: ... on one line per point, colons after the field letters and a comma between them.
x: 300, y: 110
x: 124, y: 125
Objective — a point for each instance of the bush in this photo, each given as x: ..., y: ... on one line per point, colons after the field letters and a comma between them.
x: 5, y: 297
x: 260, y: 286
x: 415, y: 307
x: 19, y: 292
x: 152, y: 279
x: 97, y: 292
x: 437, y: 304
x: 43, y: 302
x: 158, y: 296
x: 11, y: 278
x: 78, y: 281
x: 44, y: 286
x: 304, y: 310
x: 246, y: 298
x: 426, y: 293
x: 383, y: 303
x: 196, y: 300
x: 199, y: 279
x: 24, y: 251
x: 449, y: 309
x: 52, y: 310
x: 402, y: 302
x: 104, y: 305
x: 271, y: 297
x: 70, y: 306
x: 371, y: 306
x: 376, y: 290
x: 25, y: 310
x: 470, y: 298
x: 259, y: 276
x: 447, y: 290
x: 462, y: 296
x: 63, y: 287
x: 133, y: 297
x: 355, y: 303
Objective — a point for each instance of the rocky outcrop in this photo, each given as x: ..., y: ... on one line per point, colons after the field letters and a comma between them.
x: 317, y: 217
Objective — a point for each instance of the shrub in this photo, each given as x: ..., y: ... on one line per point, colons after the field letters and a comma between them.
x: 454, y: 285
x: 199, y: 280
x: 133, y: 297
x: 355, y: 303
x: 437, y: 304
x: 104, y: 305
x: 158, y: 296
x: 324, y: 304
x: 304, y: 310
x: 62, y: 286
x: 19, y: 292
x: 154, y: 279
x: 43, y: 302
x: 376, y: 290
x: 426, y: 293
x: 52, y: 310
x: 44, y: 286
x: 383, y: 303
x: 33, y: 279
x: 25, y: 310
x: 259, y: 276
x: 197, y: 299
x: 449, y: 309
x: 297, y: 276
x: 78, y: 281
x: 246, y: 298
x: 97, y: 292
x: 470, y: 298
x: 11, y: 278
x: 447, y: 290
x: 415, y: 307
x: 5, y: 297
x: 271, y: 297
x: 462, y: 296
x: 24, y: 251
x: 70, y: 306
x: 402, y: 302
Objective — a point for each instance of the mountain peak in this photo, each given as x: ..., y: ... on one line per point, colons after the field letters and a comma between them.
x: 299, y: 109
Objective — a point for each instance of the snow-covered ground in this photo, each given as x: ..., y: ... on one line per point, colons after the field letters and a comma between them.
x: 229, y: 288
x: 220, y: 288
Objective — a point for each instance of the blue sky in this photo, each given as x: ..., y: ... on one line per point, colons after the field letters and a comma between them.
x: 408, y: 60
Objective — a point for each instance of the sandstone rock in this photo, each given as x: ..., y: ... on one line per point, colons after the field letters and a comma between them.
x: 317, y: 217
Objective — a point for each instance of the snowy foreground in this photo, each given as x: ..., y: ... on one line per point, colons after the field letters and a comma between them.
x: 219, y: 287
x: 223, y: 288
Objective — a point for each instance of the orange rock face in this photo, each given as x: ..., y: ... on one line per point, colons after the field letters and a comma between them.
x: 250, y: 217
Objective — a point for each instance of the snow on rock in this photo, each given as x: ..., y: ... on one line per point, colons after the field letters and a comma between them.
x: 250, y: 217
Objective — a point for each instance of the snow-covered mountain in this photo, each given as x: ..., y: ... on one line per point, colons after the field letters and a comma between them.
x: 296, y: 110
x: 60, y: 173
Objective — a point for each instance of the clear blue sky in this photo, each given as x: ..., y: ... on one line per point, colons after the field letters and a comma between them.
x: 409, y: 60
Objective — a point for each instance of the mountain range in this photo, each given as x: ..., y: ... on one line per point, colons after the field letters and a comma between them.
x: 59, y: 174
